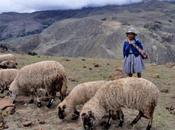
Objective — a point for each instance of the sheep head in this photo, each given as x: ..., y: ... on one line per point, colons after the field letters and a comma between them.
x: 67, y: 112
x: 8, y: 64
x: 13, y: 91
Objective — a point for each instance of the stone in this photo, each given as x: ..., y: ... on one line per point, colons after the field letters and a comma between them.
x: 170, y: 65
x: 5, y: 103
x: 27, y: 123
x: 84, y: 67
x: 83, y: 59
x: 165, y: 90
x: 73, y: 80
x: 90, y: 68
x: 96, y: 65
x: 41, y: 122
x: 10, y: 110
x: 3, y: 124
x: 67, y: 60
x: 156, y: 76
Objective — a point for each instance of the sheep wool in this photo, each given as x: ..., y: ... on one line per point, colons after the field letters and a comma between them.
x: 6, y: 57
x: 79, y: 95
x: 6, y: 78
x: 48, y: 75
x: 133, y: 93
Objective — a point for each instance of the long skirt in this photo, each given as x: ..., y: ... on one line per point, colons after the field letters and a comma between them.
x: 133, y: 64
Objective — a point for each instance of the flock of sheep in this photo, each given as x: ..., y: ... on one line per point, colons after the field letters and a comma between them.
x: 103, y: 100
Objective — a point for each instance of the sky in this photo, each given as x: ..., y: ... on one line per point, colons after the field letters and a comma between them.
x: 38, y: 5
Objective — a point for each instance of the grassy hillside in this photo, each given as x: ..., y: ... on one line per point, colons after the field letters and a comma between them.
x: 84, y: 69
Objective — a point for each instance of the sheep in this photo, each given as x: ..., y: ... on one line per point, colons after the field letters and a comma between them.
x: 8, y: 64
x: 133, y: 93
x: 79, y: 95
x: 48, y: 75
x: 6, y: 78
x: 7, y: 57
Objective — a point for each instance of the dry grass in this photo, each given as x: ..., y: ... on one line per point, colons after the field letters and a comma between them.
x: 83, y: 69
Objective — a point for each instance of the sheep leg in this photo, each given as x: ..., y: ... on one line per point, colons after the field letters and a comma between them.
x: 107, y: 119
x: 50, y: 102
x: 149, y: 124
x: 108, y: 124
x: 76, y: 115
x: 61, y: 96
x: 121, y: 118
x: 150, y: 117
x: 31, y: 99
x: 52, y: 97
x: 1, y: 90
x: 138, y: 117
x: 38, y: 101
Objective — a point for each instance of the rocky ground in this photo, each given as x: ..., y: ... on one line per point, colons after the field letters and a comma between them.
x: 29, y: 117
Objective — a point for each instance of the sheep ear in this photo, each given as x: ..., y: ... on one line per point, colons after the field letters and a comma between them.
x: 76, y: 115
x: 111, y: 112
x: 91, y: 114
x: 46, y: 94
x: 64, y: 107
x: 67, y: 94
x: 59, y: 108
x: 76, y: 112
x: 83, y: 116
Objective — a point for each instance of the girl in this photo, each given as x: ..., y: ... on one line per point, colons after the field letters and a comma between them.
x: 133, y: 62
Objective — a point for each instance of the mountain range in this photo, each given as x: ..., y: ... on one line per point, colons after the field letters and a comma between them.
x: 92, y: 32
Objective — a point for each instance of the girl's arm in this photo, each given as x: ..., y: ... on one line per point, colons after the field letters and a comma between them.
x: 124, y: 49
x: 139, y: 43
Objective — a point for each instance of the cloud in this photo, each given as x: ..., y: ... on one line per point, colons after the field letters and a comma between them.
x: 36, y: 5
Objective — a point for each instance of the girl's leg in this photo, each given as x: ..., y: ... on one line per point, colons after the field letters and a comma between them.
x: 130, y: 75
x: 139, y: 75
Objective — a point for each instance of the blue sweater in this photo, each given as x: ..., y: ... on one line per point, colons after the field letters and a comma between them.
x: 130, y: 49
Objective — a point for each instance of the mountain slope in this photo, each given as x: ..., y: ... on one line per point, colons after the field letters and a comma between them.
x: 96, y: 32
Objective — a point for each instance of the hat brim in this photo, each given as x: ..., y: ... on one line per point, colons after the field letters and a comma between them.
x: 127, y: 33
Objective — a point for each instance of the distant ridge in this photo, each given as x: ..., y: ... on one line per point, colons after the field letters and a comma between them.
x: 92, y: 32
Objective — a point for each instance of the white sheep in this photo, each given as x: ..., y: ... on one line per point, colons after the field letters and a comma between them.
x: 79, y: 95
x: 7, y: 57
x: 6, y: 78
x: 48, y: 75
x: 133, y: 93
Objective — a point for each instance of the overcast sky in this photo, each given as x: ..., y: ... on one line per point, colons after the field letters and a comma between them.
x: 35, y: 5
